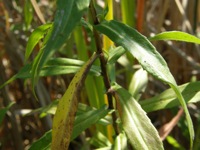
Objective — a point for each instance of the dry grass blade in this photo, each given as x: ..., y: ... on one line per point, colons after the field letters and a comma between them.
x: 167, y: 128
x: 38, y: 11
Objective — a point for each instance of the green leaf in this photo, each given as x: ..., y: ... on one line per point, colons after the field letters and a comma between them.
x: 43, y: 111
x: 139, y: 46
x: 104, y: 148
x: 83, y: 120
x: 165, y: 100
x: 137, y: 126
x: 55, y: 66
x: 168, y: 98
x: 115, y: 54
x: 65, y: 62
x: 43, y: 143
x: 138, y: 83
x: 35, y: 37
x: 88, y: 118
x: 3, y: 111
x: 121, y: 142
x: 177, y: 36
x: 28, y: 13
x: 100, y: 140
x: 69, y: 13
x: 65, y: 113
x: 146, y: 54
x: 174, y: 143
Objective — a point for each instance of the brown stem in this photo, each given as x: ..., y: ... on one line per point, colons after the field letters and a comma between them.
x: 100, y: 52
x: 103, y: 63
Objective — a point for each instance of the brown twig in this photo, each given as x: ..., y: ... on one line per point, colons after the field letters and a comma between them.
x: 100, y: 52
x: 106, y: 80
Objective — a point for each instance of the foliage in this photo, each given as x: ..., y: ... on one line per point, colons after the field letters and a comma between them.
x: 96, y: 107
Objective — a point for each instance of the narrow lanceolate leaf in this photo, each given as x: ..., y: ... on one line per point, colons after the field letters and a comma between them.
x: 115, y: 54
x: 35, y: 37
x: 168, y: 99
x: 3, y: 111
x: 177, y: 36
x: 28, y: 14
x: 140, y: 47
x: 85, y: 120
x: 82, y: 122
x: 44, y: 143
x: 137, y: 126
x: 67, y: 106
x: 55, y: 66
x: 69, y: 13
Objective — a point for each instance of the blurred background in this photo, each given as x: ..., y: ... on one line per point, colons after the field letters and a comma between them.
x: 18, y: 18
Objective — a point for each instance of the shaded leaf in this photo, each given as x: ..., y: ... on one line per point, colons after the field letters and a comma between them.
x: 168, y: 99
x: 69, y: 13
x: 82, y: 110
x: 43, y: 111
x: 67, y: 106
x: 88, y: 118
x: 82, y: 121
x: 55, y: 66
x: 177, y: 36
x: 100, y: 140
x: 165, y: 100
x: 137, y: 126
x: 115, y: 54
x: 3, y: 111
x: 43, y: 143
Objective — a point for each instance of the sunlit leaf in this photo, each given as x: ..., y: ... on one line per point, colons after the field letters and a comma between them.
x: 65, y: 114
x: 121, y: 142
x: 136, y: 124
x: 146, y: 54
x: 139, y: 46
x: 177, y: 36
x: 174, y: 143
x: 138, y: 83
x: 35, y: 37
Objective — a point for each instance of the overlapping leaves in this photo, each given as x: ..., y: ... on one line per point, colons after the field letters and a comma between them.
x: 140, y: 47
x: 69, y: 13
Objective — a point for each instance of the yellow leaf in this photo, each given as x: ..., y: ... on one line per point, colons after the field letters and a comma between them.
x: 65, y: 113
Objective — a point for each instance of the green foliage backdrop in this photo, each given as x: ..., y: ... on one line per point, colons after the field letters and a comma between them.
x: 91, y: 74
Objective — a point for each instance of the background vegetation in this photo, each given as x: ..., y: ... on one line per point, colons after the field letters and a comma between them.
x: 18, y: 18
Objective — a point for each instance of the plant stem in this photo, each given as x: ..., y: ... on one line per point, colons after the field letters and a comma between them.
x: 106, y: 80
x: 98, y: 43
